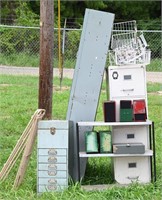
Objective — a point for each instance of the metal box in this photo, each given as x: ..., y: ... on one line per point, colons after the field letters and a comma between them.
x: 139, y: 110
x: 109, y: 110
x: 126, y: 112
x: 128, y: 148
x: 52, y: 155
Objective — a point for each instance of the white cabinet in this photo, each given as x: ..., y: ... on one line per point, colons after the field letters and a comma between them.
x: 131, y: 134
x: 52, y: 166
x: 132, y: 169
x: 127, y: 82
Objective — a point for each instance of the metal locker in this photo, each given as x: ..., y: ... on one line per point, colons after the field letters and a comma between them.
x: 88, y: 76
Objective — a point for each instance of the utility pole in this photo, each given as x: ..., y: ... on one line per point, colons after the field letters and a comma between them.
x: 46, y: 56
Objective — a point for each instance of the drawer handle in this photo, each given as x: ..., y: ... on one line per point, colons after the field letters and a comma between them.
x: 52, y: 187
x: 52, y: 167
x: 52, y: 152
x: 52, y: 181
x: 52, y: 173
x: 52, y: 130
x: 52, y: 159
x: 133, y: 177
x: 128, y: 90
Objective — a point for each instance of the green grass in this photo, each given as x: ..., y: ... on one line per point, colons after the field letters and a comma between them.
x: 155, y: 65
x: 27, y: 60
x: 31, y: 60
x: 19, y: 100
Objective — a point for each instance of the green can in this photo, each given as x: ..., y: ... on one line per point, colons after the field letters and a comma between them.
x: 91, y: 140
x: 105, y: 142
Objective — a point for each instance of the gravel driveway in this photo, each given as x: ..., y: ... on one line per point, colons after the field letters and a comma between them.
x: 155, y: 77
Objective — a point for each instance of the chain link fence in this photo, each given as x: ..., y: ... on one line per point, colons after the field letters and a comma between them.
x: 19, y: 46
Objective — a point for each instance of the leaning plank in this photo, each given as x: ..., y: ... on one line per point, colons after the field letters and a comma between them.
x: 28, y: 150
x: 18, y: 149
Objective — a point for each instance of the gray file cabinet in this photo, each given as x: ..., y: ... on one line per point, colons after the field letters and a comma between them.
x: 52, y: 153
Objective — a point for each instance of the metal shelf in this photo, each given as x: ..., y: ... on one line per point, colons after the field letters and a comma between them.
x: 86, y: 155
x: 146, y: 123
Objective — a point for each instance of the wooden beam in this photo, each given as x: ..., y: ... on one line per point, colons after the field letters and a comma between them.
x: 46, y: 56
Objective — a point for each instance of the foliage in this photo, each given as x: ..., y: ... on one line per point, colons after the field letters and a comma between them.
x: 19, y: 101
x: 28, y: 11
x: 18, y: 40
x: 73, y: 39
x: 25, y: 16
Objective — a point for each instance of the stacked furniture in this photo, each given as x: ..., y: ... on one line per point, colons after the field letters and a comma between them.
x: 126, y: 112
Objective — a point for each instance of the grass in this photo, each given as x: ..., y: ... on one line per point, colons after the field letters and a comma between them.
x: 18, y: 99
x: 32, y: 60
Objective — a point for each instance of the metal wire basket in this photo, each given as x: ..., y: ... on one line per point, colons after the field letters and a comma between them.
x: 125, y: 57
x: 128, y: 46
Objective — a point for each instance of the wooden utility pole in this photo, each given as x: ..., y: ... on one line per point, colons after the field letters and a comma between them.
x: 46, y: 56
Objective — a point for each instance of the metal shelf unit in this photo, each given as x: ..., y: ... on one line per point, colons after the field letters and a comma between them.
x: 148, y: 156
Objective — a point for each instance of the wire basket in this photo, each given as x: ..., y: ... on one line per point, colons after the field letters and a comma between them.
x: 125, y: 57
x: 125, y: 27
x: 128, y: 46
x: 124, y: 40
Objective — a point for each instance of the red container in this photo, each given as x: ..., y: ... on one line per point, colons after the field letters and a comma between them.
x: 139, y: 110
x: 139, y: 107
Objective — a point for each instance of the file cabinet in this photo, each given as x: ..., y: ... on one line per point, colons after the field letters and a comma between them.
x: 52, y: 156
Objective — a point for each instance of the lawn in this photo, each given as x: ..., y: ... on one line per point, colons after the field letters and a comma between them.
x: 32, y: 60
x: 18, y: 102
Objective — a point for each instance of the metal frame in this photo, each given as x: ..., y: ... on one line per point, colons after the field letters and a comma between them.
x: 151, y: 136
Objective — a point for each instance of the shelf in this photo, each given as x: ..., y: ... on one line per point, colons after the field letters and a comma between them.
x: 148, y: 122
x: 87, y: 155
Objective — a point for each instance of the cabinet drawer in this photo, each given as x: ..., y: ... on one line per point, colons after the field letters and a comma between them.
x: 52, y: 173
x: 52, y: 181
x: 131, y: 134
x: 52, y: 159
x: 51, y: 188
x: 132, y: 169
x: 47, y: 167
x: 52, y: 151
x: 48, y: 140
x: 127, y: 81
